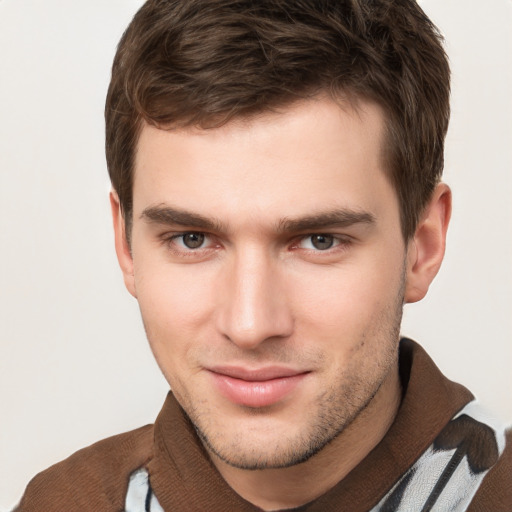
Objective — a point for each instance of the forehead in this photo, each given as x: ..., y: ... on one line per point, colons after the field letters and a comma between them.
x: 312, y: 154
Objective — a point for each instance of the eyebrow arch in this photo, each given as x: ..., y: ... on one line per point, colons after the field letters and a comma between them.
x: 340, y: 218
x: 163, y: 214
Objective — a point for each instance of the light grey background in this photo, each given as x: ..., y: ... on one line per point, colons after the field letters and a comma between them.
x: 74, y: 363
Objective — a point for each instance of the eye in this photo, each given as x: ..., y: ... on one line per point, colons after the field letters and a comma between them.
x: 320, y: 242
x: 189, y: 241
x: 189, y: 245
x: 192, y: 240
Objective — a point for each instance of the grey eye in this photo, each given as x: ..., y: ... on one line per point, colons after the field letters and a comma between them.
x: 322, y: 242
x: 193, y: 240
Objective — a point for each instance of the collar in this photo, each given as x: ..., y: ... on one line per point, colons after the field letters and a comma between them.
x: 184, y: 478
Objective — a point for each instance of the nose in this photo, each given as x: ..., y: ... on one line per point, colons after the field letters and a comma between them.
x: 254, y: 306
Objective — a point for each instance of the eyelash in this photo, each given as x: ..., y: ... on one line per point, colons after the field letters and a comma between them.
x: 341, y: 243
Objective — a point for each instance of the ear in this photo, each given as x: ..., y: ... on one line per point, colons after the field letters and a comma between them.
x: 124, y: 256
x: 425, y: 250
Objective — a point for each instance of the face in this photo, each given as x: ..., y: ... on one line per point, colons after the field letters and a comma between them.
x: 268, y: 263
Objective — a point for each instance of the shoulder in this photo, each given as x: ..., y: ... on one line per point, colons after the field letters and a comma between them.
x: 94, y: 478
x: 495, y: 493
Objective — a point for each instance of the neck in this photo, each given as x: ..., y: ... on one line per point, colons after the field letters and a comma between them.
x: 277, y: 489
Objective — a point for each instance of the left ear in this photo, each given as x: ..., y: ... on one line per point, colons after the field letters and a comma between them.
x: 425, y: 251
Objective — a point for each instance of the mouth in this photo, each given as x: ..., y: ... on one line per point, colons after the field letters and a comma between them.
x: 256, y: 388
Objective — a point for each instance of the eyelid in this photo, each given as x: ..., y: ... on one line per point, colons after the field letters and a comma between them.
x: 335, y: 236
x: 169, y: 239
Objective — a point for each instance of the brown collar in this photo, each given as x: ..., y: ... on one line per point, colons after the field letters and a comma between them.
x: 184, y: 478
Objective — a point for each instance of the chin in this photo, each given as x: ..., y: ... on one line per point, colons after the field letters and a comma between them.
x: 260, y: 442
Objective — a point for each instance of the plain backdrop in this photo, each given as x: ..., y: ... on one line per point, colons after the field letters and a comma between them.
x: 74, y: 363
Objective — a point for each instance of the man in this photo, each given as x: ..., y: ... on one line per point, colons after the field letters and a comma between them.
x: 276, y: 200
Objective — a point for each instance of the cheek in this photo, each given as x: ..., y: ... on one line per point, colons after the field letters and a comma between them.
x: 175, y: 301
x: 346, y: 300
x: 175, y: 306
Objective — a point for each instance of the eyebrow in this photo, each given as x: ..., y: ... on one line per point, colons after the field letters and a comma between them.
x: 163, y: 214
x: 338, y: 218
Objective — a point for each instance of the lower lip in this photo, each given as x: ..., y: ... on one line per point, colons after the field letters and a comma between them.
x: 256, y: 393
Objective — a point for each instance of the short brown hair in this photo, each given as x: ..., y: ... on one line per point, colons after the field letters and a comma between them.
x: 205, y: 62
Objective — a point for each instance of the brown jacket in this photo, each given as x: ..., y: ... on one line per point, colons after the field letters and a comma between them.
x: 183, y: 478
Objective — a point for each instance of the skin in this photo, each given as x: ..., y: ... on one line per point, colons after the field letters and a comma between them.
x: 256, y: 292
